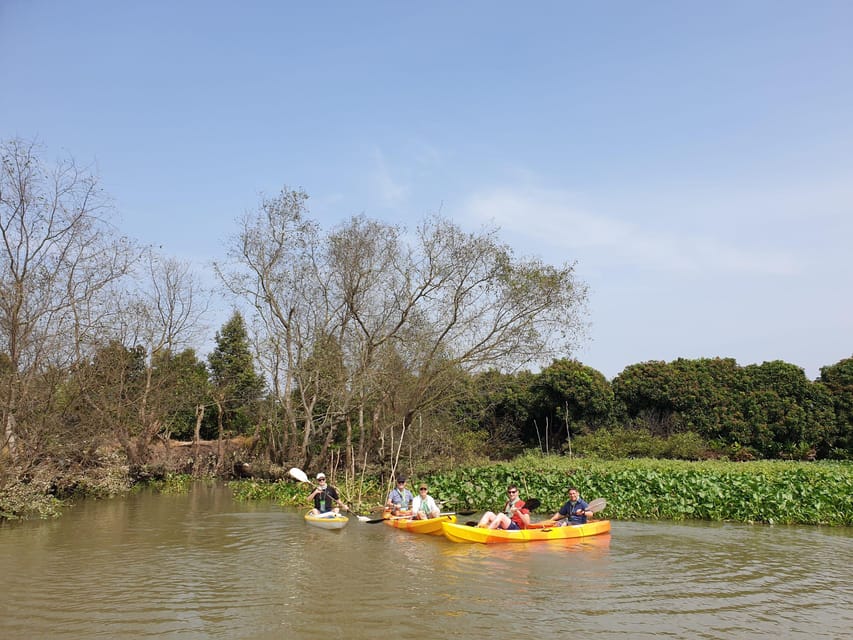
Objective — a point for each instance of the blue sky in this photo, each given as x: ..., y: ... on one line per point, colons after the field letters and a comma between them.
x: 695, y: 159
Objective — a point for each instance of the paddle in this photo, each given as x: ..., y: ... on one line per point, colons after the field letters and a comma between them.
x: 531, y: 505
x: 299, y: 474
x: 440, y: 515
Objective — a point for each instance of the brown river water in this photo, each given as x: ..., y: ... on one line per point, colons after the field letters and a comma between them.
x: 204, y: 566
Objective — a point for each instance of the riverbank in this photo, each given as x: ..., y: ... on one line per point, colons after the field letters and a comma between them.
x: 45, y: 488
x: 771, y: 492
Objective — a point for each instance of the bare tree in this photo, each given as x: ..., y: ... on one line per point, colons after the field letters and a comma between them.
x: 60, y: 263
x: 395, y: 318
x: 162, y: 315
x: 273, y: 266
x: 447, y: 302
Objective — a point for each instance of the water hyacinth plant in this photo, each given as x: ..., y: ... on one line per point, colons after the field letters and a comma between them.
x: 771, y: 492
x: 760, y: 492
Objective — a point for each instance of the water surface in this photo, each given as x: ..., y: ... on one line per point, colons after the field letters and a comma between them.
x: 203, y: 566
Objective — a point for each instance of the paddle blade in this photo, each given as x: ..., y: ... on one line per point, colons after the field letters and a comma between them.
x: 532, y: 504
x: 298, y: 474
x: 597, y: 505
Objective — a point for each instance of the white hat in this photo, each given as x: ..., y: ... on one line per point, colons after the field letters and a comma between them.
x: 321, y: 476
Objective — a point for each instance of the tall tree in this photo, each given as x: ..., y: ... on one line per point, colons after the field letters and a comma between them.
x: 273, y: 267
x: 60, y: 264
x: 838, y: 378
x: 575, y: 398
x: 407, y: 312
x: 237, y: 387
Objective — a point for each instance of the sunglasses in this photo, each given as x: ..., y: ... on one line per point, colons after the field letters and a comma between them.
x: 422, y: 489
x: 512, y: 492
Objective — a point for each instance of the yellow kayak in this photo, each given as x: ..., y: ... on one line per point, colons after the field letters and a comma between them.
x: 464, y: 533
x: 328, y: 520
x: 431, y: 526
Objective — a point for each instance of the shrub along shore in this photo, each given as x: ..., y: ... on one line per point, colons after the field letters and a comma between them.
x: 770, y: 492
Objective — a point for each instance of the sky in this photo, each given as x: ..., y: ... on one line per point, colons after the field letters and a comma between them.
x: 694, y: 160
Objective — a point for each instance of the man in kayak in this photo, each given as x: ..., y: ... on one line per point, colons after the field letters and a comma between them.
x: 574, y: 511
x: 514, y: 516
x: 399, y: 498
x: 325, y: 498
x: 423, y: 505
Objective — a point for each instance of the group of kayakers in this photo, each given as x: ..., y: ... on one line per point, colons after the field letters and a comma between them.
x: 400, y: 501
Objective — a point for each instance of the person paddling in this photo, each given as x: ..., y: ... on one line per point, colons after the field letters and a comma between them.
x: 325, y: 498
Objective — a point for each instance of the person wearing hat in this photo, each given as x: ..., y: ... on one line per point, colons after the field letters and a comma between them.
x: 399, y: 498
x: 325, y: 497
x: 423, y: 505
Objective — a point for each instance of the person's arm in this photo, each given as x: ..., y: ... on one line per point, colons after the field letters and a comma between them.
x: 525, y: 516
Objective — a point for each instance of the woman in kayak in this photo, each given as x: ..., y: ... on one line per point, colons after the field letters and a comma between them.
x: 514, y: 516
x: 423, y: 505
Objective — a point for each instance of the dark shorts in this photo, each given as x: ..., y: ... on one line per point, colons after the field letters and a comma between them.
x: 513, y: 526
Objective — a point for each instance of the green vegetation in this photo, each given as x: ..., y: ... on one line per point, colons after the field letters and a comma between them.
x: 772, y: 492
x: 762, y: 492
x: 177, y: 483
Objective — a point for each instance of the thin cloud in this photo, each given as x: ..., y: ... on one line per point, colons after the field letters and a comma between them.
x: 550, y: 218
x: 390, y: 190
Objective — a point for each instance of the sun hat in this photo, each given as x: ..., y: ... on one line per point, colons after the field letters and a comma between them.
x: 321, y: 476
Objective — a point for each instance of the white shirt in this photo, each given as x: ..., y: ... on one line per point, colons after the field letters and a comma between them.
x: 430, y: 504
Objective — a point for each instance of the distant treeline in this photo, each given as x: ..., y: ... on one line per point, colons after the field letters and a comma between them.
x: 691, y: 409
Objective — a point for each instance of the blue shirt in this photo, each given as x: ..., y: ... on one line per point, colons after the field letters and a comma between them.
x: 570, y: 508
x: 401, y: 499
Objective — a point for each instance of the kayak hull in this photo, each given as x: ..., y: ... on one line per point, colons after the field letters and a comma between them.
x: 464, y: 533
x: 326, y: 522
x: 431, y: 526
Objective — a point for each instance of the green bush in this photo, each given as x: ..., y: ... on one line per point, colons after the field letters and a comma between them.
x: 619, y: 443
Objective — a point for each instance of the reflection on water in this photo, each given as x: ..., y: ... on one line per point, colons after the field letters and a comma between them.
x: 203, y: 566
